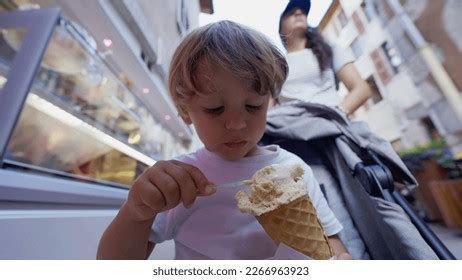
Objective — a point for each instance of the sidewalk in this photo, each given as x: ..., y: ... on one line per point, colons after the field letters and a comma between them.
x: 452, y: 238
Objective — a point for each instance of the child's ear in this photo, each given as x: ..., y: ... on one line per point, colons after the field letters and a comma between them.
x: 184, y: 115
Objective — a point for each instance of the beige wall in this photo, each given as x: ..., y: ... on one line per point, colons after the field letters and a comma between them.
x: 163, y: 16
x: 435, y: 23
x: 387, y: 117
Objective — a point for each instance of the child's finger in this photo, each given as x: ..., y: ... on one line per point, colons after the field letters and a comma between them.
x: 167, y: 186
x: 188, y: 190
x: 204, y: 186
x: 150, y: 195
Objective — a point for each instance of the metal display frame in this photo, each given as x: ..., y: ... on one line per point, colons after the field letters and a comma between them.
x: 39, y: 26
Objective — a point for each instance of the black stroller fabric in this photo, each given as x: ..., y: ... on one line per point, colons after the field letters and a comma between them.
x: 332, y: 145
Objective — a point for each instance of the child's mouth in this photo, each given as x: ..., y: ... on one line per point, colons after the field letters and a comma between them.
x: 234, y: 145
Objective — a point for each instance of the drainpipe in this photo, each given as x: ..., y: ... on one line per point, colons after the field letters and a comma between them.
x: 437, y: 70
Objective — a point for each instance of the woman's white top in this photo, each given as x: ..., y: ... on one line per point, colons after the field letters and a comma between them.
x: 306, y: 83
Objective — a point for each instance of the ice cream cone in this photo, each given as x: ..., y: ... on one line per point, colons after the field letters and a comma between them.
x: 279, y: 200
x: 296, y: 225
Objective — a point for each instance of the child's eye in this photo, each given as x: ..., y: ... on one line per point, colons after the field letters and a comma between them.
x: 214, y: 111
x: 252, y: 108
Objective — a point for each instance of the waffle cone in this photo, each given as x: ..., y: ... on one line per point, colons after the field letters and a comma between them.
x: 296, y: 225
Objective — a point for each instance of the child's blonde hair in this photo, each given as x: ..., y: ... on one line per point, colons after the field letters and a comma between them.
x: 247, y: 54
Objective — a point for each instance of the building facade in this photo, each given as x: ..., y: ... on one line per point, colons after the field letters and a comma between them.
x: 408, y: 52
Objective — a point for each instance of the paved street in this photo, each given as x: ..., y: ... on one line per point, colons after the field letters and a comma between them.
x: 452, y: 238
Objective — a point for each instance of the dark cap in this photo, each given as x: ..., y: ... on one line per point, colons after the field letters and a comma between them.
x: 304, y: 5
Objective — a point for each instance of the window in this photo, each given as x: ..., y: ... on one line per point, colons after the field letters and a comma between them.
x: 182, y: 17
x: 405, y: 47
x: 368, y: 10
x: 335, y: 28
x: 381, y: 66
x: 392, y: 55
x: 356, y: 47
x: 342, y: 18
x: 358, y: 23
x: 376, y: 97
x: 430, y: 128
x: 382, y: 9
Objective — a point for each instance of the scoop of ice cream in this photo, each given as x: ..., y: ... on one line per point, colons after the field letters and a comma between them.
x: 271, y: 187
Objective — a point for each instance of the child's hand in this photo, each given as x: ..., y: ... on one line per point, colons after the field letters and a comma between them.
x: 163, y: 186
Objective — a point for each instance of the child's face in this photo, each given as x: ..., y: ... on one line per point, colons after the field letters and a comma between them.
x: 231, y: 118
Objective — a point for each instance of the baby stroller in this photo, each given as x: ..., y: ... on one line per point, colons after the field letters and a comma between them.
x: 357, y: 172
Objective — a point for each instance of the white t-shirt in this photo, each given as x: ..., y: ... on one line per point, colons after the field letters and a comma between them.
x: 305, y: 81
x: 214, y: 228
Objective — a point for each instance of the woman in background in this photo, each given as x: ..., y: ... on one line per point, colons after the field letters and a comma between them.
x: 314, y: 65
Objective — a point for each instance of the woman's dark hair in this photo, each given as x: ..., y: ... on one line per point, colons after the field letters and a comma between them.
x: 317, y: 44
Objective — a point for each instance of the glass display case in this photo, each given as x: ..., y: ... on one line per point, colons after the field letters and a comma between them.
x: 78, y: 119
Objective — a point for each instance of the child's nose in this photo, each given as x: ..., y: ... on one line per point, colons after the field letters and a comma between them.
x: 235, y: 121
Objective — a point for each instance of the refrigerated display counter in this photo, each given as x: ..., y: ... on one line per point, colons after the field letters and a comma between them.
x: 73, y: 137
